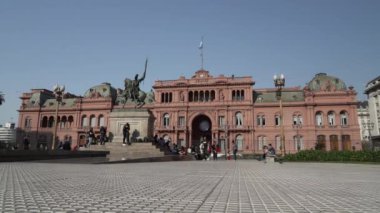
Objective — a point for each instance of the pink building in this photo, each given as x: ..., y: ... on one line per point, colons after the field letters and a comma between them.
x: 222, y: 109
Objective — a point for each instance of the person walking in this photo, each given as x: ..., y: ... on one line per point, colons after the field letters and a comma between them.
x: 234, y: 149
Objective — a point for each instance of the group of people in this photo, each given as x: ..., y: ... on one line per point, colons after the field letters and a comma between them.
x: 268, y: 151
x: 91, y: 138
x: 206, y: 150
x: 66, y: 144
x: 167, y: 144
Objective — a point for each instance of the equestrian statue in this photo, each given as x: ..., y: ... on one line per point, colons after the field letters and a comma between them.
x: 132, y: 89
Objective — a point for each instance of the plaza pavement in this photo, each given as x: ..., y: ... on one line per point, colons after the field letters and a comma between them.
x: 189, y: 186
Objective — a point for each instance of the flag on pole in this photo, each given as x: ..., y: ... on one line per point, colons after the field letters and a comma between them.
x: 201, y: 45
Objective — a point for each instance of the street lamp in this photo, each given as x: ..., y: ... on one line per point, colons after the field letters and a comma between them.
x: 225, y: 140
x: 279, y: 83
x: 298, y: 126
x: 369, y: 126
x: 58, y: 92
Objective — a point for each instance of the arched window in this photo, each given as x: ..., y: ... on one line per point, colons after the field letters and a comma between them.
x: 298, y: 142
x: 70, y: 120
x: 84, y: 121
x: 63, y: 122
x: 166, y: 120
x: 162, y: 97
x: 212, y: 95
x: 343, y: 118
x: 92, y: 121
x: 334, y: 145
x: 191, y: 96
x: 262, y: 141
x: 201, y: 96
x: 277, y: 140
x: 297, y: 119
x: 319, y: 118
x: 170, y: 97
x: 28, y: 122
x: 51, y: 121
x: 101, y: 121
x: 242, y: 95
x: 321, y: 142
x: 346, y: 142
x: 207, y: 96
x: 277, y: 120
x: 239, y: 119
x: 44, y: 122
x: 196, y: 96
x: 239, y: 142
x: 233, y: 95
x: 260, y: 120
x: 331, y: 118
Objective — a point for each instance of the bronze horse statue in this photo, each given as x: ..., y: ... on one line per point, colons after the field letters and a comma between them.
x: 132, y: 89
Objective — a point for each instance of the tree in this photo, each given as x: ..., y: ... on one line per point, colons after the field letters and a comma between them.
x: 2, y: 100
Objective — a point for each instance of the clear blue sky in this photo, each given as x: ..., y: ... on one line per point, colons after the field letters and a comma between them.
x: 84, y: 43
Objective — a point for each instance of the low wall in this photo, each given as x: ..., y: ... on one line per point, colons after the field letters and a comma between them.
x: 30, y: 155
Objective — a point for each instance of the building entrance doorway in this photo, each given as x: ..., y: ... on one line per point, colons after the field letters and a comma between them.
x: 201, y: 128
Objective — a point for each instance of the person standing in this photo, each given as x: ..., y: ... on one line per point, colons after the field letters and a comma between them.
x: 126, y: 129
x: 234, y: 149
x: 90, y: 136
x: 213, y: 150
x: 26, y: 142
x: 103, y: 132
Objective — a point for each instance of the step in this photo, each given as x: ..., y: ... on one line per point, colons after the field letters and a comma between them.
x: 126, y: 157
x: 118, y: 151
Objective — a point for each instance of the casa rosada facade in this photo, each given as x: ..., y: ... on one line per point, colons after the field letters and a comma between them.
x: 222, y: 109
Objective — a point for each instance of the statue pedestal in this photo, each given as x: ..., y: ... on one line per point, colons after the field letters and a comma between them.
x: 140, y: 121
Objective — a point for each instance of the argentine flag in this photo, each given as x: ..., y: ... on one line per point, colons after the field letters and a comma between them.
x: 201, y: 45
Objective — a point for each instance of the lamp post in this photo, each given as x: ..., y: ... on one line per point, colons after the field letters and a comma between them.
x: 369, y: 126
x: 58, y: 92
x: 298, y: 126
x: 279, y: 83
x: 225, y: 140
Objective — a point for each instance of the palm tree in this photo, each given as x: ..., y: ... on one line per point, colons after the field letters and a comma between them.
x: 2, y: 100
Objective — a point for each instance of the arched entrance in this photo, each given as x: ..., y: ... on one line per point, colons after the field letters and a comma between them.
x: 201, y: 127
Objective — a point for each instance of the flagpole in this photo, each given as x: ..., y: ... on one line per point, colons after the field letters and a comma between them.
x: 202, y: 58
x: 201, y: 48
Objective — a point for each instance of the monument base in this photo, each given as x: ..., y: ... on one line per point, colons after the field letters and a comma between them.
x: 140, y: 121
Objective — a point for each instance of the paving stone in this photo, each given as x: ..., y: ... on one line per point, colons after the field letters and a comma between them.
x: 222, y: 186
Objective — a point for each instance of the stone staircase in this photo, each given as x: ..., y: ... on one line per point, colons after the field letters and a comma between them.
x: 119, y: 151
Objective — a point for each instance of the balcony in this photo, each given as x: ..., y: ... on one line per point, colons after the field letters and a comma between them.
x: 234, y: 128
